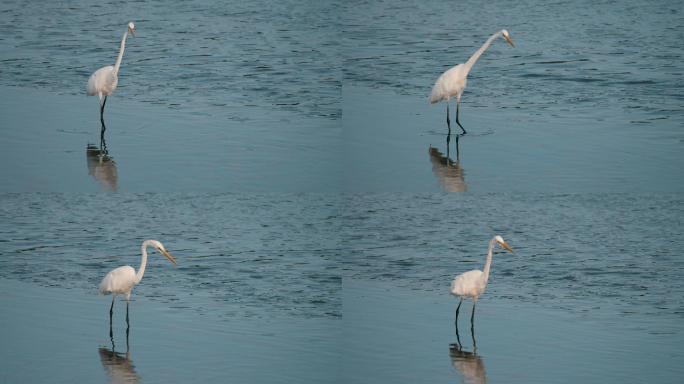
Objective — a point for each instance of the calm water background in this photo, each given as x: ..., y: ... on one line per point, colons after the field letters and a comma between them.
x: 330, y: 259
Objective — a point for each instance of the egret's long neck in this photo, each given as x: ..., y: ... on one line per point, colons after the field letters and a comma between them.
x: 143, y: 263
x: 469, y: 64
x: 121, y: 51
x: 488, y: 264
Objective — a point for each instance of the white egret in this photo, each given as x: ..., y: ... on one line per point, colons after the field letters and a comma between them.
x: 103, y: 81
x: 472, y: 284
x: 120, y: 281
x: 452, y: 83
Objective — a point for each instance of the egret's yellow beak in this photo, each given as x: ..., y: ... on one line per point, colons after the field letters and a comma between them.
x: 506, y: 247
x: 509, y: 41
x: 168, y: 256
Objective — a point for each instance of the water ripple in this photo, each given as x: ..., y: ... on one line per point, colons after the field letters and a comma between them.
x: 271, y: 252
x: 183, y: 54
x: 577, y: 251
x: 580, y: 59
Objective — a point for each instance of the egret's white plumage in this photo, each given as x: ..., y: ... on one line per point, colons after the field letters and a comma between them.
x: 452, y: 83
x: 120, y: 281
x: 472, y: 284
x: 103, y: 82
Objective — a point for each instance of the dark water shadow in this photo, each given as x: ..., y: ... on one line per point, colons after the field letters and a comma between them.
x: 449, y: 173
x: 101, y: 166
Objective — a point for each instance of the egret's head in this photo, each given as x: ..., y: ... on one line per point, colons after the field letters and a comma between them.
x: 160, y: 247
x: 131, y: 28
x: 503, y: 244
x: 507, y: 37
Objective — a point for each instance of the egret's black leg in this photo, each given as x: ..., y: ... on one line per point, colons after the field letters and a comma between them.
x: 458, y: 339
x: 104, y: 128
x: 102, y: 107
x: 457, y: 309
x: 102, y: 138
x: 472, y: 334
x: 458, y: 104
x: 128, y: 326
x: 103, y: 145
x: 472, y: 318
x: 448, y: 125
x: 111, y: 313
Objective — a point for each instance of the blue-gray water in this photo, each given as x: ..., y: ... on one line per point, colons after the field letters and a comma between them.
x: 575, y: 252
x: 286, y: 154
x: 207, y: 57
x: 594, y: 60
x: 355, y: 276
x: 267, y: 252
x: 255, y: 296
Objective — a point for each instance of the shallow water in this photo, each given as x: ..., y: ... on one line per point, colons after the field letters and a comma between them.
x: 45, y: 141
x: 389, y: 144
x: 286, y: 154
x: 60, y: 335
x: 399, y: 335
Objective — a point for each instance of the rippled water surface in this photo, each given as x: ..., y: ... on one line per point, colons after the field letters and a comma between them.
x: 593, y: 292
x: 597, y: 59
x: 208, y: 57
x: 576, y: 251
x: 266, y: 253
x: 304, y: 184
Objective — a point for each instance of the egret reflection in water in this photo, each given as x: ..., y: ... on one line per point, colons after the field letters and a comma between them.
x: 469, y: 364
x: 449, y: 173
x: 101, y: 166
x: 118, y: 366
